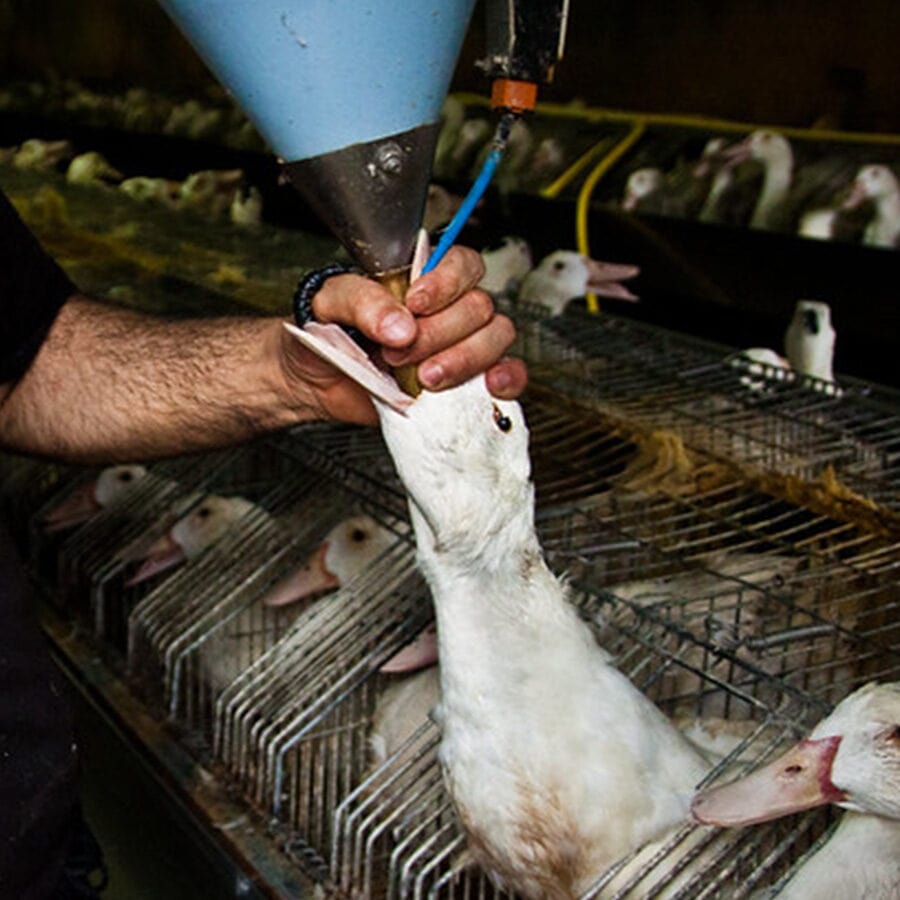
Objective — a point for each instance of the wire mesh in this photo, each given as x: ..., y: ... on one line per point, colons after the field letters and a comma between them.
x: 719, y: 402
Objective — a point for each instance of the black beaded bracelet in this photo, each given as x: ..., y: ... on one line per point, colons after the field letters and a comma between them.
x: 310, y: 284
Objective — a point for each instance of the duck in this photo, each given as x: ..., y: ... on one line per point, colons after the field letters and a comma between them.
x: 41, y: 156
x: 556, y: 764
x: 773, y: 151
x: 473, y: 133
x: 453, y: 114
x: 505, y: 265
x: 209, y: 192
x: 144, y: 188
x: 92, y: 497
x: 809, y: 340
x: 92, y: 168
x: 191, y: 535
x: 349, y: 548
x: 640, y: 189
x: 850, y: 759
x: 246, y: 207
x: 564, y: 275
x: 878, y: 184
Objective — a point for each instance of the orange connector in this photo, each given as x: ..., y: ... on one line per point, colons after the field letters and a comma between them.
x: 518, y: 96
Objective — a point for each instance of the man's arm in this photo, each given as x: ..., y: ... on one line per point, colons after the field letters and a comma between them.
x: 113, y: 384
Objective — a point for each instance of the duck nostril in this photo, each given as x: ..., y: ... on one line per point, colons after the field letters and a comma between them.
x: 793, y: 770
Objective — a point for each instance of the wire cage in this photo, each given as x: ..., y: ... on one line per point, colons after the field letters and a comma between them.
x: 95, y: 564
x: 396, y: 835
x: 717, y: 401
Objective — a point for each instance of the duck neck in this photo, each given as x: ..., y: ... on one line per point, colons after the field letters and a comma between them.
x: 776, y: 182
x: 492, y: 590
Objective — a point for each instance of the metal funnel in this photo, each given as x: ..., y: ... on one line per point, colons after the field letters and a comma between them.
x: 348, y: 93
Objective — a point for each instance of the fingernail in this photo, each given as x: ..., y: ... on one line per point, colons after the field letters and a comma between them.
x: 500, y: 380
x: 397, y: 326
x: 431, y: 374
x: 417, y: 300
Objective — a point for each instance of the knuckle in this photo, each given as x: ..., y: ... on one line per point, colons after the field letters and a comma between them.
x: 481, y: 305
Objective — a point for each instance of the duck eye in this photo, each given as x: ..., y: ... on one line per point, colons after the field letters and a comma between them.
x: 559, y: 265
x: 204, y: 512
x: 504, y: 423
x: 126, y: 476
x: 358, y: 535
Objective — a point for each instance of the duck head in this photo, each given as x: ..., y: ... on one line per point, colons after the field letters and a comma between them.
x: 462, y: 456
x: 767, y: 147
x: 87, y: 500
x: 564, y: 275
x: 641, y: 183
x: 348, y: 549
x: 190, y: 535
x: 871, y: 183
x: 851, y: 758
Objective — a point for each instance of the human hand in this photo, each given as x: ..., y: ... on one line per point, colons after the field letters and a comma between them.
x: 448, y: 330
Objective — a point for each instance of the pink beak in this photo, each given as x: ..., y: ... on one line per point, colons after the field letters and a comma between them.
x: 604, y: 278
x: 799, y: 780
x: 856, y: 197
x: 418, y: 654
x: 312, y: 577
x: 78, y: 507
x: 161, y: 555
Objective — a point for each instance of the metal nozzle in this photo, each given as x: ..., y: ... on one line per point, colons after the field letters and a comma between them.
x: 372, y: 195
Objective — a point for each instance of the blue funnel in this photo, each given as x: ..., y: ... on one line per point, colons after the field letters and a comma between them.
x: 354, y: 86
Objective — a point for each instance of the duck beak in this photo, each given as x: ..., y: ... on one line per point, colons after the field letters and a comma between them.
x: 736, y: 154
x: 799, y: 780
x: 856, y: 197
x: 161, y: 555
x: 416, y: 655
x: 78, y: 507
x: 604, y: 278
x: 312, y: 577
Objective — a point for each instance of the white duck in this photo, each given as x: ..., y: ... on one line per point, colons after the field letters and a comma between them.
x: 851, y: 759
x: 93, y: 496
x: 348, y: 549
x: 809, y: 340
x: 246, y: 207
x: 505, y: 266
x: 92, y: 168
x: 880, y: 185
x: 641, y: 185
x: 564, y: 275
x: 191, y: 535
x: 557, y: 764
x: 774, y: 152
x: 142, y: 188
x: 41, y: 156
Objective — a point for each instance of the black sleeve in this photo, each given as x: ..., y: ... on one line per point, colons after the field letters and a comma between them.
x: 32, y: 290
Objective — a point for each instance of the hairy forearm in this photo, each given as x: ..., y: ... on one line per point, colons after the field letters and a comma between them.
x: 112, y: 384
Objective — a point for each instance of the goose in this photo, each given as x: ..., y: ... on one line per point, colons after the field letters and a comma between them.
x: 191, y: 535
x: 505, y: 266
x: 557, y: 765
x: 851, y: 759
x: 92, y: 168
x: 93, y: 496
x: 809, y: 340
x: 878, y: 184
x: 564, y: 275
